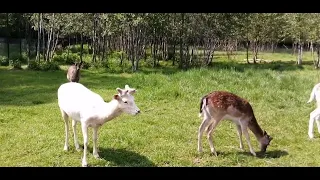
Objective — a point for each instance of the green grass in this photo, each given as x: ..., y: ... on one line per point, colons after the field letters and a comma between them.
x: 165, y: 133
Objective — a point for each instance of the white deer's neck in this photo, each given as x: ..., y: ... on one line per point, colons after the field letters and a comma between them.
x: 110, y: 110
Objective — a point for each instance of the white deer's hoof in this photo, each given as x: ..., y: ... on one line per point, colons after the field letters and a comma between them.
x: 96, y: 156
x: 253, y: 153
x: 65, y: 148
x: 311, y: 136
x: 84, y: 164
x: 78, y: 148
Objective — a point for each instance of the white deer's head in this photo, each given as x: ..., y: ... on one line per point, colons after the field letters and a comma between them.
x: 126, y: 100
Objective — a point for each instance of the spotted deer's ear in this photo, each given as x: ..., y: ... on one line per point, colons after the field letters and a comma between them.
x: 264, y: 132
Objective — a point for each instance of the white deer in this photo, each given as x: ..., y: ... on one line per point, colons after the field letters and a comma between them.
x: 315, y: 114
x: 220, y: 105
x: 84, y: 106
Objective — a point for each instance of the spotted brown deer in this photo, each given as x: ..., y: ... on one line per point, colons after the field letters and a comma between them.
x: 219, y: 105
x: 73, y: 74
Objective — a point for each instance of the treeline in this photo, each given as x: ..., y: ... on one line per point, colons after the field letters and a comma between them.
x: 187, y: 39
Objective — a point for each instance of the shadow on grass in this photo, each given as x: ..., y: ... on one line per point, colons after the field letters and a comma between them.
x: 123, y: 157
x: 269, y: 154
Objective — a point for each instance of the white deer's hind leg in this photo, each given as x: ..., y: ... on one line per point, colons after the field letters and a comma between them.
x: 75, y: 137
x: 66, y: 127
x: 244, y: 128
x: 210, y: 129
x: 313, y: 116
x: 84, y: 128
x: 95, y: 137
x: 239, y: 132
x: 318, y: 122
x: 202, y: 127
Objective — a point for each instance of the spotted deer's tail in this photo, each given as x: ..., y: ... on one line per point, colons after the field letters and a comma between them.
x: 203, y: 103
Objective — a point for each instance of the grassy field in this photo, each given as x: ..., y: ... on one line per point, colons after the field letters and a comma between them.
x: 165, y: 133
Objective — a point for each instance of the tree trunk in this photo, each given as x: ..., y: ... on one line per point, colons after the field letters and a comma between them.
x: 299, y: 61
x: 28, y: 37
x: 20, y: 38
x: 318, y: 57
x: 94, y: 39
x: 49, y: 42
x: 8, y: 36
x: 39, y: 37
x: 247, y: 48
x: 103, y: 47
x: 181, y: 62
x: 68, y: 48
x: 54, y: 45
x: 81, y: 49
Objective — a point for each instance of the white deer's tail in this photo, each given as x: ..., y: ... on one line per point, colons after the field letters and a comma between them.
x: 313, y: 93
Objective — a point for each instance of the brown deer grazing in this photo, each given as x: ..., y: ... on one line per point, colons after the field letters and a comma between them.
x: 219, y: 105
x: 73, y: 74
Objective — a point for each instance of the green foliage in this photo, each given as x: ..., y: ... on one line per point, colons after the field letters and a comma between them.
x: 66, y: 58
x: 43, y: 66
x: 34, y: 65
x: 49, y: 66
x: 77, y: 49
x: 85, y: 65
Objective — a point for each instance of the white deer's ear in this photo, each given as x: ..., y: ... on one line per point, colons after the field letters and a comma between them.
x: 116, y: 96
x: 119, y: 90
x: 132, y: 91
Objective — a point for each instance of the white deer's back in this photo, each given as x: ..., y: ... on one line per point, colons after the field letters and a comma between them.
x: 74, y: 98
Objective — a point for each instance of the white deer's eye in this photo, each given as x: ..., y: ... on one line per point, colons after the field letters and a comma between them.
x: 125, y: 102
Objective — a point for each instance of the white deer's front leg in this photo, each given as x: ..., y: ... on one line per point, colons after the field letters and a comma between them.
x: 95, y: 137
x: 66, y: 126
x: 84, y: 128
x: 75, y: 137
x: 313, y: 115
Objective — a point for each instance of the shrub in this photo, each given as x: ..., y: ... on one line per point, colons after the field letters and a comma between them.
x: 34, y: 65
x: 16, y: 64
x: 49, y: 66
x: 4, y: 61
